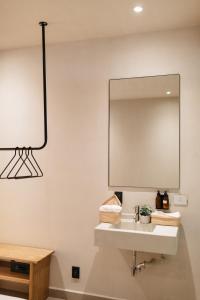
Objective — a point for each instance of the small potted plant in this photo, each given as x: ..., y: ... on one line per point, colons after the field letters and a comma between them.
x: 145, y: 214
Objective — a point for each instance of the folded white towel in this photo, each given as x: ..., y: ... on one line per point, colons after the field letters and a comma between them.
x: 161, y: 214
x: 110, y: 208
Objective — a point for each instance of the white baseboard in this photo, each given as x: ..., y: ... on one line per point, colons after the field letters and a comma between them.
x: 58, y: 293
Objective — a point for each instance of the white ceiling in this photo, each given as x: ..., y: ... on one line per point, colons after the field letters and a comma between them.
x: 87, y: 19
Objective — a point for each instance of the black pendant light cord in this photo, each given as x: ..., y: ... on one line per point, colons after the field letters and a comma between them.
x: 43, y: 25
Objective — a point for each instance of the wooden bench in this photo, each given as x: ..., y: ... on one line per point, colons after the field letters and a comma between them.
x: 37, y: 281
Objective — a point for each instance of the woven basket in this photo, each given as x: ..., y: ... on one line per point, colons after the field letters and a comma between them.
x: 110, y: 217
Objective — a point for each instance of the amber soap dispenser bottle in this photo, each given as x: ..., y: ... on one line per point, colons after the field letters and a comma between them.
x: 165, y: 201
x: 159, y: 204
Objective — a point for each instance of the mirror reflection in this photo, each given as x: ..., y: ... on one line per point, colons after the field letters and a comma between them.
x: 144, y: 132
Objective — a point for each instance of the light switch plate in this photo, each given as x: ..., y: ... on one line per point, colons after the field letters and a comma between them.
x: 180, y: 200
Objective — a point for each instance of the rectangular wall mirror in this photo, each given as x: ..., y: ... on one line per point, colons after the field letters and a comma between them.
x: 144, y: 132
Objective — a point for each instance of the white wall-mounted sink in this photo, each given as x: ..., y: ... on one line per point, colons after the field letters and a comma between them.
x: 139, y: 237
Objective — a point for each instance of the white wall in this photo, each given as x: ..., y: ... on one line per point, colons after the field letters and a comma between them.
x: 60, y: 210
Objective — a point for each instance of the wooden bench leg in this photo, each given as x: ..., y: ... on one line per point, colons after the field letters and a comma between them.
x: 39, y: 279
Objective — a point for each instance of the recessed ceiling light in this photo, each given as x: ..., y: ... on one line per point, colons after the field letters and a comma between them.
x: 138, y: 9
x: 168, y: 92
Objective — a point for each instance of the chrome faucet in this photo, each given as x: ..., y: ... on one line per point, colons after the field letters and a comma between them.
x: 136, y: 215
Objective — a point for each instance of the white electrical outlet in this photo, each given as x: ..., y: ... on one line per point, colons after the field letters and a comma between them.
x: 180, y: 200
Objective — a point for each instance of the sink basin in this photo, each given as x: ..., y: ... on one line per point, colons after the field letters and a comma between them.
x: 139, y: 237
x: 129, y: 225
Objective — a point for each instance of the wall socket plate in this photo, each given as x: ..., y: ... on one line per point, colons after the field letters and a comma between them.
x: 75, y: 272
x: 180, y: 200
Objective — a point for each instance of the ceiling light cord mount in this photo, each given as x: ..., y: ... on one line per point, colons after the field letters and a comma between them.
x: 23, y: 158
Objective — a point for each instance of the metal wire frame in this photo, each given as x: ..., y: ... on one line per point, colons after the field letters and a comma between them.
x: 32, y: 163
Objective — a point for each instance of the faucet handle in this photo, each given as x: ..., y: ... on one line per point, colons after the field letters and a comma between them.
x: 137, y: 209
x: 136, y: 213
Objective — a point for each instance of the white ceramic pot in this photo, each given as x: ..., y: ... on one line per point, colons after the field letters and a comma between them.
x: 145, y: 219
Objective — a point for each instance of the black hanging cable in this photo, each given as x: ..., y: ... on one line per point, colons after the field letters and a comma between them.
x: 43, y: 25
x: 29, y: 149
